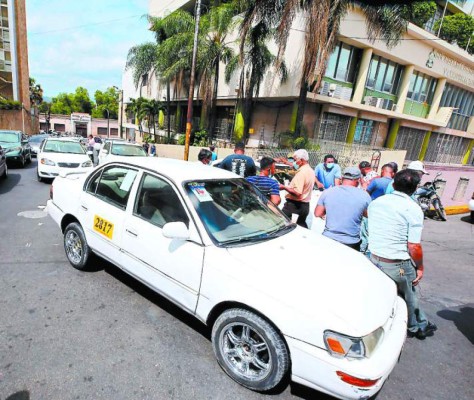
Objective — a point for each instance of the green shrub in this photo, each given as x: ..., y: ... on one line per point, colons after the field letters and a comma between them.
x: 200, y: 138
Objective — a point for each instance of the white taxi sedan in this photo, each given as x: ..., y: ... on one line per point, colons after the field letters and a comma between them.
x: 61, y: 154
x: 281, y: 301
x: 115, y: 150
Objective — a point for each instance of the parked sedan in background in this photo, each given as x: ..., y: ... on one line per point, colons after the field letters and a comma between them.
x: 58, y: 154
x: 16, y: 147
x: 204, y: 238
x: 114, y: 150
x: 35, y: 143
x: 3, y: 164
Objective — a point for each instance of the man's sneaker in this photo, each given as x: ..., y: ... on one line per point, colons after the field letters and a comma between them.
x: 428, y: 331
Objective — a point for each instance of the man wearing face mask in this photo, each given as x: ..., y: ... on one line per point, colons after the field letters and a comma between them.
x: 300, y: 188
x: 328, y: 173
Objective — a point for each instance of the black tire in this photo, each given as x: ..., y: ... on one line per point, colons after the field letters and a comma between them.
x: 29, y: 160
x: 77, y: 250
x: 439, y: 209
x: 22, y: 162
x: 259, y: 358
x: 472, y: 217
x: 40, y: 178
x: 5, y: 173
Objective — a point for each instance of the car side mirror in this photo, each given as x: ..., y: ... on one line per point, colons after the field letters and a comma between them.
x: 176, y: 230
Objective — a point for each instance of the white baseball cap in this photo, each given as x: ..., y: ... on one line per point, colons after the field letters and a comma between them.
x: 417, y: 166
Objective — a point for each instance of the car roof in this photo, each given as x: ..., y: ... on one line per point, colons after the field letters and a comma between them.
x: 62, y: 139
x: 126, y: 143
x: 179, y: 170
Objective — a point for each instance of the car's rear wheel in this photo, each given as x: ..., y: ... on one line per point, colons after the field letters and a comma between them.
x: 250, y: 350
x: 77, y: 250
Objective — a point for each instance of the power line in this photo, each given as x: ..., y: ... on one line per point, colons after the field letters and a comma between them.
x: 85, y: 26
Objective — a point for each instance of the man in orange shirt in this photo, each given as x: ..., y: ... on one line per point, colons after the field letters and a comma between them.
x: 300, y: 188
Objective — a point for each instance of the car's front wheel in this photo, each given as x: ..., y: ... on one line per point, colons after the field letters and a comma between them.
x: 250, y: 350
x: 77, y: 250
x: 22, y: 161
x: 5, y: 172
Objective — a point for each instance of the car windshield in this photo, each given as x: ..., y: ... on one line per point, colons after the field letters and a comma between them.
x: 37, y: 139
x: 57, y: 146
x: 233, y: 213
x: 9, y: 137
x: 127, y: 150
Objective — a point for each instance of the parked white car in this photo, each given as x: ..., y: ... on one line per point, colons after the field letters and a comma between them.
x: 114, y: 150
x: 471, y: 207
x: 61, y: 154
x: 280, y: 300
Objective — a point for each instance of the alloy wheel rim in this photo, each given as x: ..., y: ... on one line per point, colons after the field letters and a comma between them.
x: 73, y: 247
x: 245, y: 351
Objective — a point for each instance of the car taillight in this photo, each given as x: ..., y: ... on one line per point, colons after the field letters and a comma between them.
x: 51, y: 192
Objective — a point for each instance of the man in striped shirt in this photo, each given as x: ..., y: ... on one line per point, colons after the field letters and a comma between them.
x: 269, y: 187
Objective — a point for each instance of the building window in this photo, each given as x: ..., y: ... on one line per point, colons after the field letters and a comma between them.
x: 364, y: 132
x: 102, y: 131
x: 113, y: 131
x: 334, y: 127
x: 422, y: 88
x: 342, y: 63
x: 411, y: 140
x: 384, y: 75
x: 429, y: 26
x: 446, y: 149
x: 463, y: 103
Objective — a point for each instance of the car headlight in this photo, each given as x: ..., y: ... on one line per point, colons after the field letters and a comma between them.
x: 46, y: 161
x: 86, y: 164
x: 13, y: 149
x: 340, y: 345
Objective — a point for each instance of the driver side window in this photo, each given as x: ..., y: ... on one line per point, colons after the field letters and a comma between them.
x: 158, y: 203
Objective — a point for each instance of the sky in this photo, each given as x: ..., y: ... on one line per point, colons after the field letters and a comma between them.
x: 85, y: 43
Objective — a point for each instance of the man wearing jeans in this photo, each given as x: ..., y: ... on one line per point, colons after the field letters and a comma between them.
x: 395, y: 226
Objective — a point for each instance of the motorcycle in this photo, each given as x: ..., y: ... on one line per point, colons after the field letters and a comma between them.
x: 426, y: 196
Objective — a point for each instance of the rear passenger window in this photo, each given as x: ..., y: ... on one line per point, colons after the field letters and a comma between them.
x: 113, y: 185
x: 158, y: 203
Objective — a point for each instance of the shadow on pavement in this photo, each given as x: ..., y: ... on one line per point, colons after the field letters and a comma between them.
x: 23, y: 395
x: 466, y: 218
x: 307, y: 393
x: 463, y: 319
x: 8, y: 184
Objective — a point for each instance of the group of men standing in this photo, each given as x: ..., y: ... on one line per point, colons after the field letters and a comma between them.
x: 362, y: 210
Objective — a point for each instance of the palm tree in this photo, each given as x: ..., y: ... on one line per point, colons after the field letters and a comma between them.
x: 135, y: 106
x: 36, y: 93
x: 322, y: 22
x: 254, y: 62
x: 141, y: 59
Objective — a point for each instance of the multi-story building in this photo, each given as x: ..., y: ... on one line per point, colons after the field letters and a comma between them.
x: 417, y: 96
x: 80, y: 124
x: 15, y: 108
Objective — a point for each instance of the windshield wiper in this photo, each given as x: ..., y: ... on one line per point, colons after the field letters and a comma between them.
x: 283, y: 230
x: 251, y: 239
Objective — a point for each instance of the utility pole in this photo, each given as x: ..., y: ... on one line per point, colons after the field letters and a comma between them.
x: 189, y: 119
x: 168, y: 109
x: 108, y: 117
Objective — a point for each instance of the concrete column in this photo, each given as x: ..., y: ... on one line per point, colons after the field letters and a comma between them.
x: 352, y: 130
x: 404, y: 86
x: 392, y: 134
x: 359, y: 86
x: 437, y: 98
x: 424, y: 146
x: 465, y: 160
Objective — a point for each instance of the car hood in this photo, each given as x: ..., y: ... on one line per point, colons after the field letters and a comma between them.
x: 65, y: 157
x: 310, y: 272
x: 10, y: 145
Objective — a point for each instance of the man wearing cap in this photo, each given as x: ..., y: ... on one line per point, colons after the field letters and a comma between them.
x: 328, y: 173
x: 239, y: 163
x: 344, y: 207
x: 395, y: 227
x: 300, y: 188
x: 367, y: 174
x: 414, y: 166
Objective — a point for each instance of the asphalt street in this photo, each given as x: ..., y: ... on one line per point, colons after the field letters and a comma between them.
x: 66, y: 334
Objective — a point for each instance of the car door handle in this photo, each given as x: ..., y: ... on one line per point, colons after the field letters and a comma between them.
x: 132, y: 233
x: 84, y: 207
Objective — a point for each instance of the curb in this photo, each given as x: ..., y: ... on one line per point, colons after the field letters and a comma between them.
x: 454, y: 210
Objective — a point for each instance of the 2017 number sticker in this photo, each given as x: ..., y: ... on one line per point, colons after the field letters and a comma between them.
x: 103, y: 226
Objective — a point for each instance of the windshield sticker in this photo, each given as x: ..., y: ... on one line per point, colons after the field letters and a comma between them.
x: 128, y: 181
x: 201, y: 193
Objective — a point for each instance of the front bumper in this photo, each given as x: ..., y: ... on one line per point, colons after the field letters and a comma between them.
x: 316, y: 368
x: 14, y: 156
x: 51, y: 171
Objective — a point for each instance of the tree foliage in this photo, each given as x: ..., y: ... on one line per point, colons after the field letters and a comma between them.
x: 67, y: 103
x: 419, y: 13
x: 107, y: 100
x: 457, y: 29
x: 36, y: 93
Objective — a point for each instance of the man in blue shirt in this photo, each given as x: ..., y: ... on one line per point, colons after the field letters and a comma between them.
x: 395, y: 227
x: 344, y: 207
x: 378, y: 186
x: 212, y: 148
x: 327, y: 173
x: 239, y: 163
x: 269, y: 187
